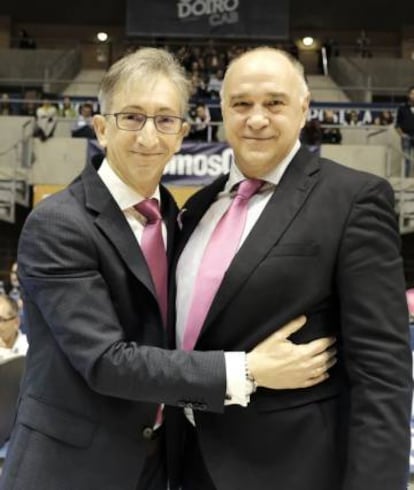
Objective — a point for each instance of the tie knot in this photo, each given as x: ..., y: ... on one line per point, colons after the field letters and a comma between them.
x: 150, y: 209
x: 248, y: 187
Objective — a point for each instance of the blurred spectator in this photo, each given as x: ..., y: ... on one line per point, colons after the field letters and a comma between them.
x: 25, y: 41
x: 5, y: 105
x: 84, y: 125
x: 200, y: 120
x: 46, y: 119
x: 214, y: 84
x: 311, y: 135
x: 12, y: 341
x: 352, y: 118
x: 385, y: 118
x: 332, y: 48
x: 330, y: 136
x: 67, y: 109
x: 29, y: 105
x: 198, y: 87
x: 405, y: 127
x: 363, y: 43
x: 15, y: 293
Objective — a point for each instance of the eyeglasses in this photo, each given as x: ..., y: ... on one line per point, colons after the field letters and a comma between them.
x: 135, y: 121
x: 7, y: 319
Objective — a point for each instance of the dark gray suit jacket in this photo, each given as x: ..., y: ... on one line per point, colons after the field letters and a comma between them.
x: 326, y: 245
x: 97, y: 366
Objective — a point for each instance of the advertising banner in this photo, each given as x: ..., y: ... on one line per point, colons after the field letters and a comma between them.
x: 258, y: 19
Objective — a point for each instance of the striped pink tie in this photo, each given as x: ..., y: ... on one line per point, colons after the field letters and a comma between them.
x: 219, y: 252
x: 152, y: 246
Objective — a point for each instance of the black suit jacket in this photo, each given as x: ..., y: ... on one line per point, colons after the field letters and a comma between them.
x: 97, y: 366
x: 326, y: 245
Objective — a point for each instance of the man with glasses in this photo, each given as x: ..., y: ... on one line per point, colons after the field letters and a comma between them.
x: 93, y: 263
x: 12, y: 341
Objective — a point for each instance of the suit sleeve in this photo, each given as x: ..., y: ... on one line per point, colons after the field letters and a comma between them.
x: 63, y: 282
x: 375, y: 340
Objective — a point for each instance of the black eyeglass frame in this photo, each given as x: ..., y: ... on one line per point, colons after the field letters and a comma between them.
x: 146, y: 117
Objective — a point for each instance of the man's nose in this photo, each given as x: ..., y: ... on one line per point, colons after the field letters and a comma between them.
x: 257, y: 119
x: 148, y: 135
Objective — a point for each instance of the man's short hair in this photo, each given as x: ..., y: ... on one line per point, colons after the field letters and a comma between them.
x: 143, y: 65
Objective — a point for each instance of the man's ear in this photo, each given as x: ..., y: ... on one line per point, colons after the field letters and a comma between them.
x: 185, y: 129
x: 100, y: 126
x: 305, y: 108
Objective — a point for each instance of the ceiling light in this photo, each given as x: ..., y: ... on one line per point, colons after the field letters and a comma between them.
x: 308, y: 41
x: 102, y: 37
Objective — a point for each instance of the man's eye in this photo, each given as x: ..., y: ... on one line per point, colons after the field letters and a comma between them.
x: 132, y: 117
x: 241, y: 103
x: 166, y: 119
x: 274, y: 103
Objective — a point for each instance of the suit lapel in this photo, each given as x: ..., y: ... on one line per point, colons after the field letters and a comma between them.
x: 169, y: 211
x: 195, y: 208
x: 112, y: 223
x: 285, y: 203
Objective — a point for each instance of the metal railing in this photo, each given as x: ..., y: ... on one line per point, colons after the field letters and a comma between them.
x: 15, y: 163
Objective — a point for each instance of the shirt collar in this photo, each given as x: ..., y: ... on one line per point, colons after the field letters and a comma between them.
x: 125, y: 196
x: 273, y: 177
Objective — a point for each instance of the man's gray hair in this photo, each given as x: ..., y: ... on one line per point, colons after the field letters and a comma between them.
x: 143, y: 65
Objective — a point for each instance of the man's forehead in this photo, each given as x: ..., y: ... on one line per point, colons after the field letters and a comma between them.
x: 139, y: 92
x: 4, y: 307
x: 261, y: 60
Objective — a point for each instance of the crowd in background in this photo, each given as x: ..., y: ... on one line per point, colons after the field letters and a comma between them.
x: 205, y: 66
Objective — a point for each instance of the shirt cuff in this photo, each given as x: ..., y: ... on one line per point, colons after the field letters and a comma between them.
x: 239, y: 388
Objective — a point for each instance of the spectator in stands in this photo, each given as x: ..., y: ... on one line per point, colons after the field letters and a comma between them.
x: 95, y: 295
x: 330, y: 135
x: 67, y: 109
x: 46, y: 120
x: 198, y: 87
x: 363, y: 43
x: 29, y: 105
x: 214, y: 84
x: 311, y: 135
x: 352, y: 118
x: 25, y: 41
x: 16, y: 295
x: 13, y: 342
x: 405, y: 126
x: 5, y: 105
x: 84, y: 125
x: 385, y: 118
x: 200, y: 123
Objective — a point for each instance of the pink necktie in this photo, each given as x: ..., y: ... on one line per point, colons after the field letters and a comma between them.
x: 219, y: 252
x: 152, y: 246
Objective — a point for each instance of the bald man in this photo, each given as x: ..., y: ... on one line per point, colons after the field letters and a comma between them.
x: 319, y: 239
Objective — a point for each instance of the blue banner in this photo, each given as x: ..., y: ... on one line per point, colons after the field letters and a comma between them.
x: 196, y: 164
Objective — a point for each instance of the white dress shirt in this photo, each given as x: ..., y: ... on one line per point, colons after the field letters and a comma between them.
x: 127, y: 198
x: 19, y: 347
x: 188, y: 265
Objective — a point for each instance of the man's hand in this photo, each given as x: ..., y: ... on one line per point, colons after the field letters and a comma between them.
x: 278, y: 363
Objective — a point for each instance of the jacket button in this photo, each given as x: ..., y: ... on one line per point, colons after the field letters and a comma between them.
x: 147, y: 433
